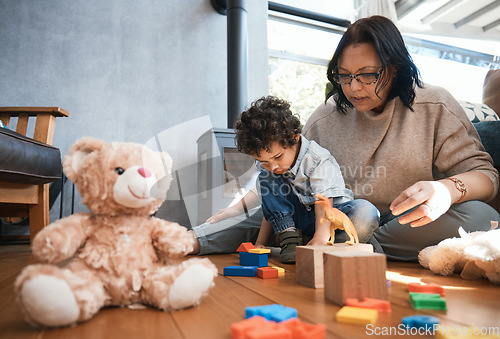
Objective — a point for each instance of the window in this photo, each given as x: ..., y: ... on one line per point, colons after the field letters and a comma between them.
x: 300, y: 49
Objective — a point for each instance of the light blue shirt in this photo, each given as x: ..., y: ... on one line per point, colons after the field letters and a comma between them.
x: 315, y: 171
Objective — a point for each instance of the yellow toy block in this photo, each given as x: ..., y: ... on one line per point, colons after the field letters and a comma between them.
x: 259, y: 250
x: 357, y: 315
x: 281, y: 271
x: 464, y: 332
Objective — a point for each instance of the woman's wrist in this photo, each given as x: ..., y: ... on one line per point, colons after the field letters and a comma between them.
x: 455, y: 194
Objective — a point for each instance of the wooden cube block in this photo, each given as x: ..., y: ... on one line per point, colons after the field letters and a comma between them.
x: 309, y: 261
x: 354, y: 275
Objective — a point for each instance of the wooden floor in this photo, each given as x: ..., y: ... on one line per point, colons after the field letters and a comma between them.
x: 470, y: 303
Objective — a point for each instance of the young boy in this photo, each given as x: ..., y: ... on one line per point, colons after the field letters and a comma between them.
x: 292, y: 170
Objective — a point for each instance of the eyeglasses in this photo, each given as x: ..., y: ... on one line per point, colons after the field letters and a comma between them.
x: 363, y: 78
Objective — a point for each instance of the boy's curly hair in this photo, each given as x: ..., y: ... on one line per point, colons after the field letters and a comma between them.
x: 269, y: 119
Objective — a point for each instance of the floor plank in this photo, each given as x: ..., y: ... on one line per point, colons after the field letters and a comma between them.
x: 470, y: 303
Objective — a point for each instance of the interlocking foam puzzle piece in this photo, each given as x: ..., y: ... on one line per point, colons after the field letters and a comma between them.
x: 258, y: 327
x: 253, y: 259
x: 275, y: 312
x: 240, y: 271
x: 426, y: 288
x: 427, y: 301
x: 267, y: 272
x: 356, y: 315
x: 281, y: 270
x: 420, y: 321
x: 245, y: 247
x: 376, y: 304
x: 259, y: 250
x: 463, y: 332
x: 302, y: 330
x: 239, y: 330
x: 270, y: 332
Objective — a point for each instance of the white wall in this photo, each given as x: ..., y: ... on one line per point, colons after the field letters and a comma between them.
x: 126, y: 70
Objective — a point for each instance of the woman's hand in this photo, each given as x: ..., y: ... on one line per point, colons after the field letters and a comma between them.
x: 433, y: 197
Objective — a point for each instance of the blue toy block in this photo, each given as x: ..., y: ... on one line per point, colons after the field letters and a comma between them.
x: 274, y: 312
x: 240, y: 271
x: 253, y: 259
x: 420, y: 321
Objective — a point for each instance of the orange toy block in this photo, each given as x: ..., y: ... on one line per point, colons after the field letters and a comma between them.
x: 354, y: 275
x: 429, y: 288
x: 302, y: 330
x: 239, y: 330
x: 309, y: 261
x: 245, y: 247
x: 267, y: 272
x: 376, y: 304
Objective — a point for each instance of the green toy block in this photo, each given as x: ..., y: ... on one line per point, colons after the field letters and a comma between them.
x: 427, y: 301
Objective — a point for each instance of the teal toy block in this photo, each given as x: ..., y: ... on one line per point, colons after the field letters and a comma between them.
x: 253, y: 259
x: 274, y: 312
x: 420, y: 321
x: 240, y: 271
x: 427, y: 301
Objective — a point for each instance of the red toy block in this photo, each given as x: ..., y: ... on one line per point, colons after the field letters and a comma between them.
x: 267, y: 272
x: 245, y: 247
x: 302, y: 330
x: 429, y: 288
x: 376, y: 304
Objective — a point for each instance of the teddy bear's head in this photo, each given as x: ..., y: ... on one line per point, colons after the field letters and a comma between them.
x: 118, y: 178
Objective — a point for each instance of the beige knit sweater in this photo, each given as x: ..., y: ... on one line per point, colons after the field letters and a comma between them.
x: 382, y: 154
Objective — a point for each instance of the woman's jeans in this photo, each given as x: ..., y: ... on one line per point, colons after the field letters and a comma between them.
x: 282, y: 209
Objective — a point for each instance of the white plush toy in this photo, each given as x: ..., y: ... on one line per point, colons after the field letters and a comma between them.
x: 475, y: 255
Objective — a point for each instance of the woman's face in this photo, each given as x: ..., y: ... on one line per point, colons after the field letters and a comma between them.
x: 362, y: 58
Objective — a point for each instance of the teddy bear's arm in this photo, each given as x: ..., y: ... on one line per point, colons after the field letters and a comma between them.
x: 172, y: 239
x: 61, y: 239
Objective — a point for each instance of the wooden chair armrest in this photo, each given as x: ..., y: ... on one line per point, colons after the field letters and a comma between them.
x: 45, y: 120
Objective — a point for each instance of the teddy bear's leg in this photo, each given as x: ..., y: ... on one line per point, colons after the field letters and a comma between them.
x: 51, y: 296
x: 172, y: 288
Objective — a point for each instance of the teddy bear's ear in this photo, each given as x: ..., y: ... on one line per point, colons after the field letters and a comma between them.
x: 77, y: 153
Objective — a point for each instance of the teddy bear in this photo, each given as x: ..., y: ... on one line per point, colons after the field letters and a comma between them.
x: 118, y: 253
x: 475, y: 255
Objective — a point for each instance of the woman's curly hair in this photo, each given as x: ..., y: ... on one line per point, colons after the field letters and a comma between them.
x: 269, y: 119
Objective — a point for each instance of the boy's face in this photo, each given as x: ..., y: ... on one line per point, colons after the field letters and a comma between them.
x: 278, y: 159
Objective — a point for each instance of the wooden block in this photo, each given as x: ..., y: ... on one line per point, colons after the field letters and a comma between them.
x: 267, y: 273
x: 354, y: 275
x: 309, y: 261
x: 259, y: 250
x: 253, y: 259
x: 245, y: 247
x: 281, y: 270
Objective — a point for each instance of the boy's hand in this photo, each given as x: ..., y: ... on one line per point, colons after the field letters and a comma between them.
x: 317, y: 241
x: 260, y: 246
x: 224, y: 214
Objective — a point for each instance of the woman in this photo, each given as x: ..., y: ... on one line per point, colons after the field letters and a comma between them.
x: 406, y: 147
